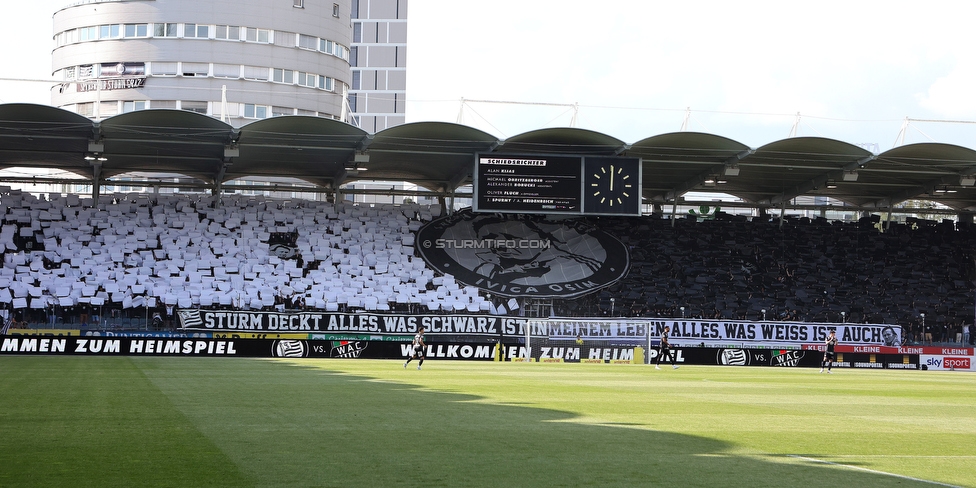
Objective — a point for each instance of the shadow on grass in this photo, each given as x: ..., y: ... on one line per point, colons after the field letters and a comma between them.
x: 303, y: 426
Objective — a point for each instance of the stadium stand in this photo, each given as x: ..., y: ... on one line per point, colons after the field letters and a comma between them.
x: 809, y: 270
x: 67, y: 260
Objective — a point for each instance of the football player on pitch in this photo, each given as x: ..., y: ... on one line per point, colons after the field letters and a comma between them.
x: 665, y: 349
x: 828, y: 358
x: 417, y: 349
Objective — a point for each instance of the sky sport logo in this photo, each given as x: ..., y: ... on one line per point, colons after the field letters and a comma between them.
x: 955, y: 363
x: 526, y: 256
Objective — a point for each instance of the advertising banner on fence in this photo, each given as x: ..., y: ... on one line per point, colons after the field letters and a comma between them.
x: 462, y: 350
x: 942, y: 362
x: 791, y: 358
x: 254, y: 348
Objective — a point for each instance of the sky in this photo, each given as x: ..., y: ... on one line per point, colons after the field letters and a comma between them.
x: 753, y: 71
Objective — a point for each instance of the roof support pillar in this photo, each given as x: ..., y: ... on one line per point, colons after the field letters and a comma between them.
x: 219, y: 184
x: 96, y: 182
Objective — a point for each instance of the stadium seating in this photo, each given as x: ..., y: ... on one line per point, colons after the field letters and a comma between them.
x: 66, y: 258
x: 183, y: 251
x: 807, y: 270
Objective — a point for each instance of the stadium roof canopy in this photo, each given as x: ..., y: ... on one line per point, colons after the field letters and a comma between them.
x: 440, y: 156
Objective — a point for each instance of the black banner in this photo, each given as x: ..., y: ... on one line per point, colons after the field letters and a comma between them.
x: 788, y: 358
x: 461, y: 350
x: 349, y: 323
x: 251, y: 348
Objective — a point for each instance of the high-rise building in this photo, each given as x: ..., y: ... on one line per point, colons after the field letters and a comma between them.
x: 237, y: 60
x: 379, y: 63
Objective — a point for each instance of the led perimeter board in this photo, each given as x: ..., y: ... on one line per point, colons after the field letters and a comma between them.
x: 557, y: 184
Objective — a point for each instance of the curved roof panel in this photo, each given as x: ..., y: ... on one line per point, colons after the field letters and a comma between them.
x: 440, y: 156
x: 314, y: 149
x: 163, y: 141
x: 435, y: 155
x: 44, y: 137
x: 936, y: 171
x: 565, y: 140
x: 678, y: 161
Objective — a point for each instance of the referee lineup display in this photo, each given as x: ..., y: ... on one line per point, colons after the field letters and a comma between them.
x: 557, y: 184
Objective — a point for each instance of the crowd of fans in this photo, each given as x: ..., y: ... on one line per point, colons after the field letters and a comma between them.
x: 917, y: 274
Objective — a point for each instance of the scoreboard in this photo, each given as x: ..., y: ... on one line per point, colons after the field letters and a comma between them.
x: 557, y: 184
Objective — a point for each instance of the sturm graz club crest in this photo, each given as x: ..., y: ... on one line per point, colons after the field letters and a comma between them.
x: 734, y: 357
x: 290, y: 349
x: 523, y: 255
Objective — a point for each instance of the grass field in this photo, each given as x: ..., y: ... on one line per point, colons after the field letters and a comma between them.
x: 144, y: 421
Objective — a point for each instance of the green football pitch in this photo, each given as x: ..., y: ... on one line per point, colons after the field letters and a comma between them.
x: 164, y: 421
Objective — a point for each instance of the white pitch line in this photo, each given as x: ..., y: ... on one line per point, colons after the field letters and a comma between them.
x: 821, y: 461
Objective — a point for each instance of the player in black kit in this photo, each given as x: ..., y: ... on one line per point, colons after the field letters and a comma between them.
x: 828, y: 358
x: 417, y: 349
x: 665, y: 349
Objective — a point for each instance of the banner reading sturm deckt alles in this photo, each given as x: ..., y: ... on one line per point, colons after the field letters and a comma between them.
x: 683, y: 332
x: 364, y: 322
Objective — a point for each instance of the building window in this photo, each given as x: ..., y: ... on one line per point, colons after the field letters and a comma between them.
x: 194, y: 106
x: 252, y: 34
x: 335, y: 10
x: 308, y: 42
x: 229, y: 32
x: 87, y: 33
x: 232, y: 71
x: 280, y: 111
x: 196, y: 69
x: 286, y: 76
x: 136, y: 30
x: 113, y: 31
x: 299, y: 4
x: 165, y: 30
x: 162, y: 68
x: 196, y: 31
x: 85, y: 109
x: 255, y: 73
x: 133, y: 106
x: 307, y: 79
x: 252, y: 111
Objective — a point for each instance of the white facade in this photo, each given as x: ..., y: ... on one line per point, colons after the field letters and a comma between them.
x: 238, y: 60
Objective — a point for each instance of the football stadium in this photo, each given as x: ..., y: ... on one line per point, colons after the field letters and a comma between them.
x: 196, y: 295
x: 286, y: 320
